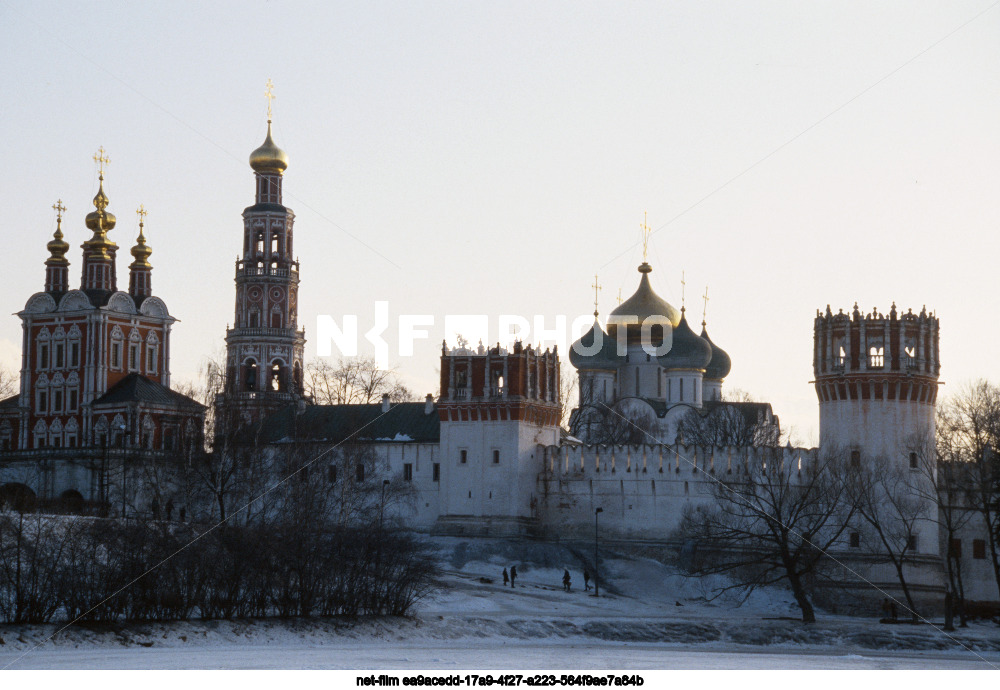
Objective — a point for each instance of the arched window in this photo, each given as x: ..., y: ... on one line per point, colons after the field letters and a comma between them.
x: 101, y: 432
x: 117, y: 348
x: 251, y: 375
x: 876, y: 358
x: 42, y: 354
x: 59, y: 348
x: 276, y: 319
x: 274, y: 244
x: 254, y: 321
x: 134, y: 350
x: 276, y: 378
x: 260, y: 244
x: 40, y: 431
x: 152, y: 353
x: 73, y: 346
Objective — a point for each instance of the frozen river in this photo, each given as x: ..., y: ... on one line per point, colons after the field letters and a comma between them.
x: 485, y: 657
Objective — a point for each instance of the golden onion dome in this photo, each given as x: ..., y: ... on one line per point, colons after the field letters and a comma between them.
x: 268, y: 158
x: 101, y: 220
x: 57, y: 246
x: 141, y: 251
x: 644, y: 307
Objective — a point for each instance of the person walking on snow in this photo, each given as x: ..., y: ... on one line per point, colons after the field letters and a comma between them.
x: 586, y: 581
x: 506, y: 579
x: 566, y: 580
x: 513, y: 575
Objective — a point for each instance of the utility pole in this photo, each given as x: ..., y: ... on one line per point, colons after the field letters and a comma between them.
x: 596, y: 569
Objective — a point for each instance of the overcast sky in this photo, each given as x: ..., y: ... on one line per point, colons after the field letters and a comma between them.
x: 490, y: 158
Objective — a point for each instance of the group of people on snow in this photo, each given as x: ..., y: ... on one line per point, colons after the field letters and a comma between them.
x: 566, y: 580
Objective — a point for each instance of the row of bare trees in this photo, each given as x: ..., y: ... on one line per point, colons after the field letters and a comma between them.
x: 101, y: 570
x: 306, y: 530
x: 783, y: 521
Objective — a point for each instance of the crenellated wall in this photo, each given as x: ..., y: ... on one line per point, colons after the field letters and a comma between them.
x: 643, y: 490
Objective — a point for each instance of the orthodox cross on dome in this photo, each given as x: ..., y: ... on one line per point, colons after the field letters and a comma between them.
x: 269, y: 95
x: 597, y: 289
x: 59, y: 209
x: 645, y: 237
x: 619, y: 295
x: 101, y: 158
x: 683, y: 285
x: 141, y: 212
x: 704, y: 311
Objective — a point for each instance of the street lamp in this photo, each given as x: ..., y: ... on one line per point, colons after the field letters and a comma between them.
x: 596, y: 575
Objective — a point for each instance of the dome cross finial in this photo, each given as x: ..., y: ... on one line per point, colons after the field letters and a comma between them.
x: 683, y: 286
x: 269, y: 95
x: 597, y: 289
x: 101, y: 158
x: 645, y: 237
x: 59, y: 209
x: 704, y: 311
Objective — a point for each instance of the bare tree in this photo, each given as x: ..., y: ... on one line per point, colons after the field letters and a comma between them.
x: 969, y: 432
x: 210, y: 384
x: 354, y: 380
x: 946, y: 483
x: 10, y: 383
x: 772, y: 521
x: 567, y: 396
x: 601, y: 423
x: 890, y: 505
x: 743, y: 424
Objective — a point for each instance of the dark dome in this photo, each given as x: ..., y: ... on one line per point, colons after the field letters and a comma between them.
x: 688, y: 350
x: 605, y: 358
x: 721, y: 364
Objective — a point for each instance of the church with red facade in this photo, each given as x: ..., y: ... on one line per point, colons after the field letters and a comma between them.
x: 95, y: 373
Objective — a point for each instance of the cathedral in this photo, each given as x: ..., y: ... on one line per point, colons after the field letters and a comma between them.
x: 95, y: 374
x: 486, y: 456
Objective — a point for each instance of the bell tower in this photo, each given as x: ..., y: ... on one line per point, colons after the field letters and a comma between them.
x: 264, y: 349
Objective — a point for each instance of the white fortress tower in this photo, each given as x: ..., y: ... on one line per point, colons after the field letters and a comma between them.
x: 496, y: 408
x: 877, y: 380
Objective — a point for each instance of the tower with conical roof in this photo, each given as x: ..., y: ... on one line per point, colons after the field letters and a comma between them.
x: 264, y: 348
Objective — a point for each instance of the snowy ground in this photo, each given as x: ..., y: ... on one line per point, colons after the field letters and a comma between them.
x: 473, y: 623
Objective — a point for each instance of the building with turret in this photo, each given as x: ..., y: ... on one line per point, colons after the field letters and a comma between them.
x: 264, y: 348
x: 648, y: 376
x: 95, y: 373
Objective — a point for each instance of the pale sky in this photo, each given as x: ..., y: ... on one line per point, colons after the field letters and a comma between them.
x: 491, y: 157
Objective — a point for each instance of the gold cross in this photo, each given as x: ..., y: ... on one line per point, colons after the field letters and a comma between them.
x: 645, y: 236
x: 59, y: 208
x: 269, y: 95
x: 141, y: 212
x: 597, y: 288
x: 683, y: 285
x: 101, y: 158
x: 619, y: 295
x: 704, y: 312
